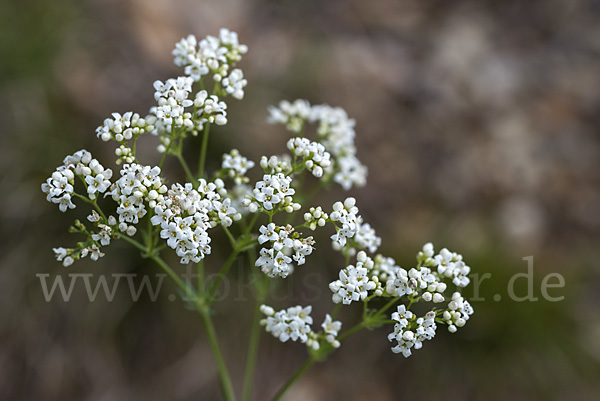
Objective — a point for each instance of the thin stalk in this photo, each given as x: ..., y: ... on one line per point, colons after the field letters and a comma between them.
x: 307, y: 364
x: 187, y: 170
x: 200, y: 276
x: 252, y: 223
x: 164, y: 157
x: 388, y: 305
x: 224, y: 377
x: 173, y: 276
x: 232, y: 240
x: 202, y: 159
x: 351, y: 331
x: 364, y: 323
x: 253, y: 343
x: 222, y: 273
x: 158, y: 260
x: 336, y: 310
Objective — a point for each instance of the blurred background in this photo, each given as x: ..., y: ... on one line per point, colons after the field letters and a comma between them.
x: 478, y: 121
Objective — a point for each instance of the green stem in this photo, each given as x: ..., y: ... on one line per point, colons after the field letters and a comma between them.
x: 158, y: 260
x: 91, y: 202
x: 175, y: 277
x: 224, y: 377
x: 222, y: 273
x: 202, y: 159
x: 200, y: 278
x: 365, y: 322
x: 252, y: 223
x: 164, y: 157
x: 150, y: 229
x: 336, y: 310
x: 307, y: 364
x: 254, y: 340
x: 232, y: 240
x: 388, y: 305
x: 351, y: 331
x: 187, y: 170
x: 134, y: 243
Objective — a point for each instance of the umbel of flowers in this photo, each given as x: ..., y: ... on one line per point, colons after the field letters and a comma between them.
x: 267, y: 217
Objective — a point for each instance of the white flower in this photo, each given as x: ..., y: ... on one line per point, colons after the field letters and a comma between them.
x: 274, y: 263
x: 293, y: 323
x: 402, y: 316
x: 458, y: 312
x: 365, y: 236
x: 331, y: 327
x: 210, y: 108
x: 347, y: 214
x: 273, y: 192
x: 353, y: 284
x: 315, y: 217
x: 316, y: 158
x: 234, y: 83
x: 59, y: 187
x: 336, y: 134
x: 410, y: 332
x: 267, y: 233
x: 236, y: 166
x: 450, y: 264
x: 350, y: 172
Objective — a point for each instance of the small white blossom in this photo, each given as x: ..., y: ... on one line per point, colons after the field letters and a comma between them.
x: 346, y: 214
x: 272, y: 193
x: 236, y: 166
x: 234, y: 83
x: 353, y: 284
x: 288, y: 324
x: 316, y: 158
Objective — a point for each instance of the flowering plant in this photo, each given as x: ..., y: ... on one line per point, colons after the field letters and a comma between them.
x: 268, y: 219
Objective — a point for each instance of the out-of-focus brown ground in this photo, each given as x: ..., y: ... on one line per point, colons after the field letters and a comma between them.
x: 478, y: 121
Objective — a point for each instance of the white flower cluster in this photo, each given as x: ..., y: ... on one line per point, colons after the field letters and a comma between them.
x: 234, y: 83
x: 213, y: 55
x: 66, y: 256
x: 291, y: 323
x: 411, y: 282
x: 365, y: 237
x: 137, y: 184
x: 294, y: 323
x: 335, y: 131
x: 209, y: 109
x: 59, y: 188
x: 292, y: 115
x: 272, y: 193
x: 123, y: 127
x: 275, y: 261
x: 91, y: 247
x: 410, y: 332
x: 458, y: 312
x: 236, y: 166
x: 451, y: 265
x: 276, y: 164
x: 382, y: 277
x: 185, y: 215
x: 125, y: 154
x: 315, y: 217
x: 354, y: 282
x: 315, y: 157
x: 173, y: 98
x: 350, y: 172
x: 347, y: 215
